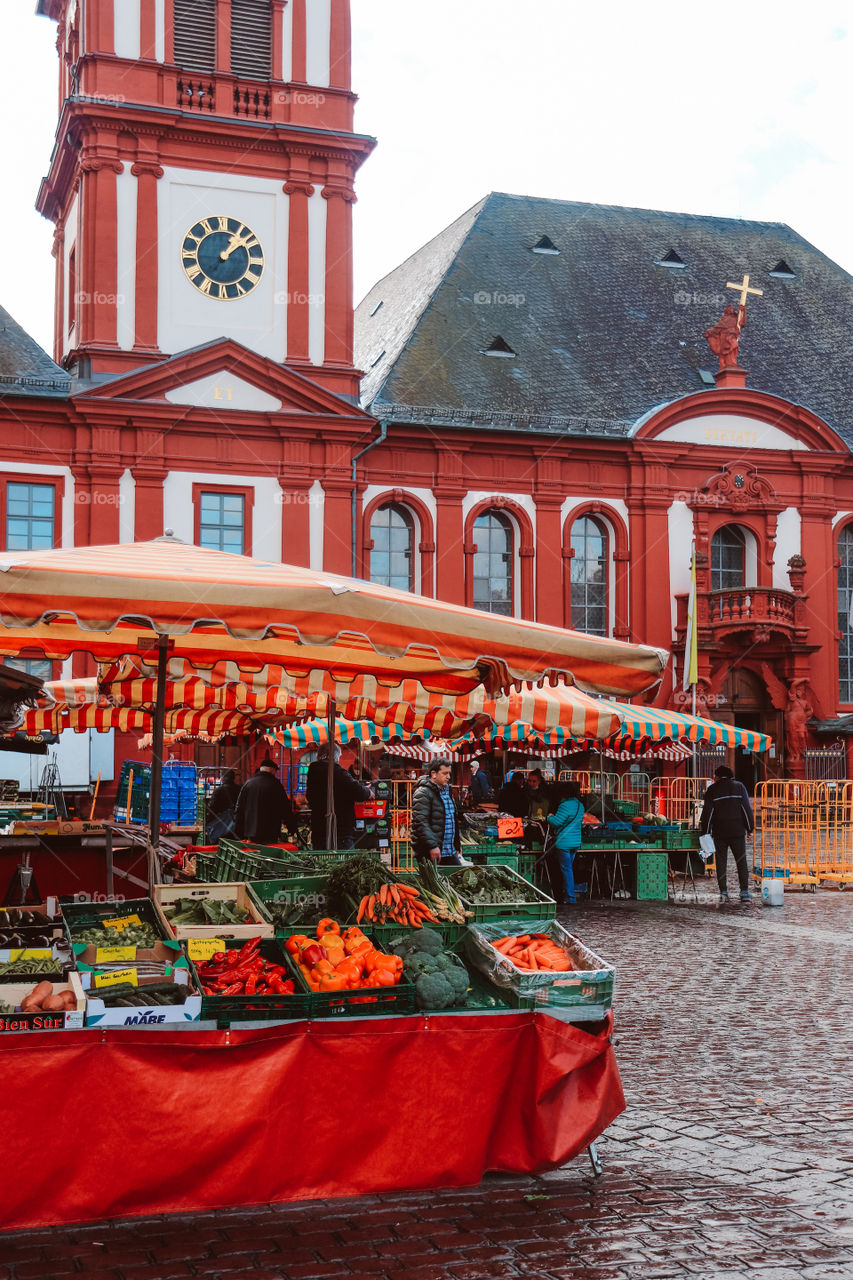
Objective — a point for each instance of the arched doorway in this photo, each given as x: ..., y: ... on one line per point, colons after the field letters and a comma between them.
x: 745, y: 702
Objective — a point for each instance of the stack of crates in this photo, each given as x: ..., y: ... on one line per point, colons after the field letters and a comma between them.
x: 140, y: 791
x: 178, y: 801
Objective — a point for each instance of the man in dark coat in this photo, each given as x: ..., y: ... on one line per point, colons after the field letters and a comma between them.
x: 263, y: 806
x: 513, y: 798
x: 727, y: 814
x: 435, y: 817
x: 347, y: 792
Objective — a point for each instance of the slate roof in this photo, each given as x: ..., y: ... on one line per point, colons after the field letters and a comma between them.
x: 601, y: 333
x: 25, y: 369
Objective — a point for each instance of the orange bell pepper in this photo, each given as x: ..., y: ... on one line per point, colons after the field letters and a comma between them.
x: 332, y: 982
x: 327, y: 925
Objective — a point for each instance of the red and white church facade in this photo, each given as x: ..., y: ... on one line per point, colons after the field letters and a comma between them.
x: 204, y: 381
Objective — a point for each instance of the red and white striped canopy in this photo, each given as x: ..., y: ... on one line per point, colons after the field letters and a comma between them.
x: 316, y: 626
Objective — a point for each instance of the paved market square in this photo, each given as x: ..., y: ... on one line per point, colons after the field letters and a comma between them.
x: 733, y: 1159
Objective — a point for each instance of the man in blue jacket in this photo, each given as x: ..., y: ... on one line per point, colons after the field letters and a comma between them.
x: 727, y: 814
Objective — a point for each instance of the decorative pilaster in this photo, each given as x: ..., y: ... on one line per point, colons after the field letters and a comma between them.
x: 339, y: 313
x: 299, y: 190
x: 147, y: 172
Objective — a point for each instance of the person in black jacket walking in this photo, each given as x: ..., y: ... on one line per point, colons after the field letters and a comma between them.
x: 263, y: 806
x: 727, y: 814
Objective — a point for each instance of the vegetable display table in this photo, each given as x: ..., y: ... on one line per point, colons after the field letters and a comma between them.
x: 118, y: 1123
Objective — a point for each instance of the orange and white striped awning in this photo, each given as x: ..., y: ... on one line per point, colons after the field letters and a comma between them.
x: 316, y: 626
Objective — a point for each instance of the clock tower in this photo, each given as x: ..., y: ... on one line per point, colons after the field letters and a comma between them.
x: 201, y: 184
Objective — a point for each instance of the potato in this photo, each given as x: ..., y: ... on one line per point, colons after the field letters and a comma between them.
x: 40, y: 993
x: 54, y: 1004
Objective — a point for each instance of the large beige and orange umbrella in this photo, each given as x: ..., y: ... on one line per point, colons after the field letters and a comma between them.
x: 207, y: 607
x: 214, y: 605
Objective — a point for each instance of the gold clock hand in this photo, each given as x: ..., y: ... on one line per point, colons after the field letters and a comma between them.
x: 234, y: 243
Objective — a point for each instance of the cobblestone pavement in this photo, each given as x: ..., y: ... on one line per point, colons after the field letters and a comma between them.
x: 733, y: 1159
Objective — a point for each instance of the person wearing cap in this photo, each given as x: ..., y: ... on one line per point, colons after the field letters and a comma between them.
x: 727, y: 815
x: 263, y: 806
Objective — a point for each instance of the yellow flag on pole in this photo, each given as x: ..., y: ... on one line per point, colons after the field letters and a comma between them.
x: 691, y: 649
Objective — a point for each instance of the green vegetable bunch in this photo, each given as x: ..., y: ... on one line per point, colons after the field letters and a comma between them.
x: 205, y: 911
x: 492, y: 885
x: 30, y: 968
x: 353, y: 880
x: 132, y: 935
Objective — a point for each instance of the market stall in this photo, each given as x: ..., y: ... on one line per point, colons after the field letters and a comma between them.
x: 373, y: 651
x: 505, y: 1014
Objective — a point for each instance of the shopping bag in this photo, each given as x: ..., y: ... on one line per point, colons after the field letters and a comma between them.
x: 706, y: 846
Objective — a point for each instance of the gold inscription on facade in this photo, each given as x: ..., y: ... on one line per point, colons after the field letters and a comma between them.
x: 717, y: 435
x: 223, y: 393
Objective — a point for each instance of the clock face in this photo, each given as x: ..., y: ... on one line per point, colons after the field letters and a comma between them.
x: 222, y: 258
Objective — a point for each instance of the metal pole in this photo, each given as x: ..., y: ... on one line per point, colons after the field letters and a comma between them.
x: 331, y: 818
x: 157, y: 763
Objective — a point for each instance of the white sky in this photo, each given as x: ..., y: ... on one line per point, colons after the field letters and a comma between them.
x: 659, y: 104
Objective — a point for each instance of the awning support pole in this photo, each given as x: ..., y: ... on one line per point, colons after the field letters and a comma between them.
x: 163, y: 645
x: 331, y: 817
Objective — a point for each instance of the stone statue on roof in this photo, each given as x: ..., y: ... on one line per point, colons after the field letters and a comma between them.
x: 723, y: 339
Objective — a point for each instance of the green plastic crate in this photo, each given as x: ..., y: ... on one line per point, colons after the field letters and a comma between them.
x: 274, y: 1008
x: 86, y: 915
x: 587, y: 990
x: 309, y: 891
x: 543, y: 908
x: 652, y: 875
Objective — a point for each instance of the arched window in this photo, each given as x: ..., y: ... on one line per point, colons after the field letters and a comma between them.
x: 728, y: 559
x: 493, y: 564
x: 392, y: 533
x: 845, y: 601
x: 589, y: 576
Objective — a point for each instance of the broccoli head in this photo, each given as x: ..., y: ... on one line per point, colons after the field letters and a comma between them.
x: 416, y: 963
x: 428, y: 940
x: 458, y: 979
x: 433, y: 992
x: 445, y: 961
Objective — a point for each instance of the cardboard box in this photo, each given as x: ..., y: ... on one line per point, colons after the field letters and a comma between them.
x: 98, y: 1014
x: 258, y: 925
x: 91, y: 956
x: 13, y: 993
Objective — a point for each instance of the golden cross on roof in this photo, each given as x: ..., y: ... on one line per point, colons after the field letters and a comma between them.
x: 745, y: 290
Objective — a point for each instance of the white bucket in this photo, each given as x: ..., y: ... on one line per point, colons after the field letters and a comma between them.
x: 773, y: 892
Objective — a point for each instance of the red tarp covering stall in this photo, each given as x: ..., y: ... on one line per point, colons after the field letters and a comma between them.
x: 134, y: 1122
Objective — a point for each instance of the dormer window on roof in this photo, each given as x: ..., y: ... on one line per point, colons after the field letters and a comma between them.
x: 671, y: 260
x: 782, y: 271
x: 499, y: 347
x: 545, y: 245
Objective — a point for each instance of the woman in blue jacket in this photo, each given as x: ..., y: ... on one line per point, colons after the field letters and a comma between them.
x: 565, y: 829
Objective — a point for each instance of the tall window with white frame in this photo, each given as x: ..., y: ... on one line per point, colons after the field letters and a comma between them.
x: 222, y: 521
x: 845, y: 615
x: 492, y: 567
x: 30, y: 516
x: 728, y: 559
x: 589, y: 576
x: 392, y: 553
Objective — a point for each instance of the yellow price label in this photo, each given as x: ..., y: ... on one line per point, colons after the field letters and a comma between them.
x: 120, y: 922
x: 104, y: 955
x: 39, y: 954
x: 204, y: 948
x: 117, y: 976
